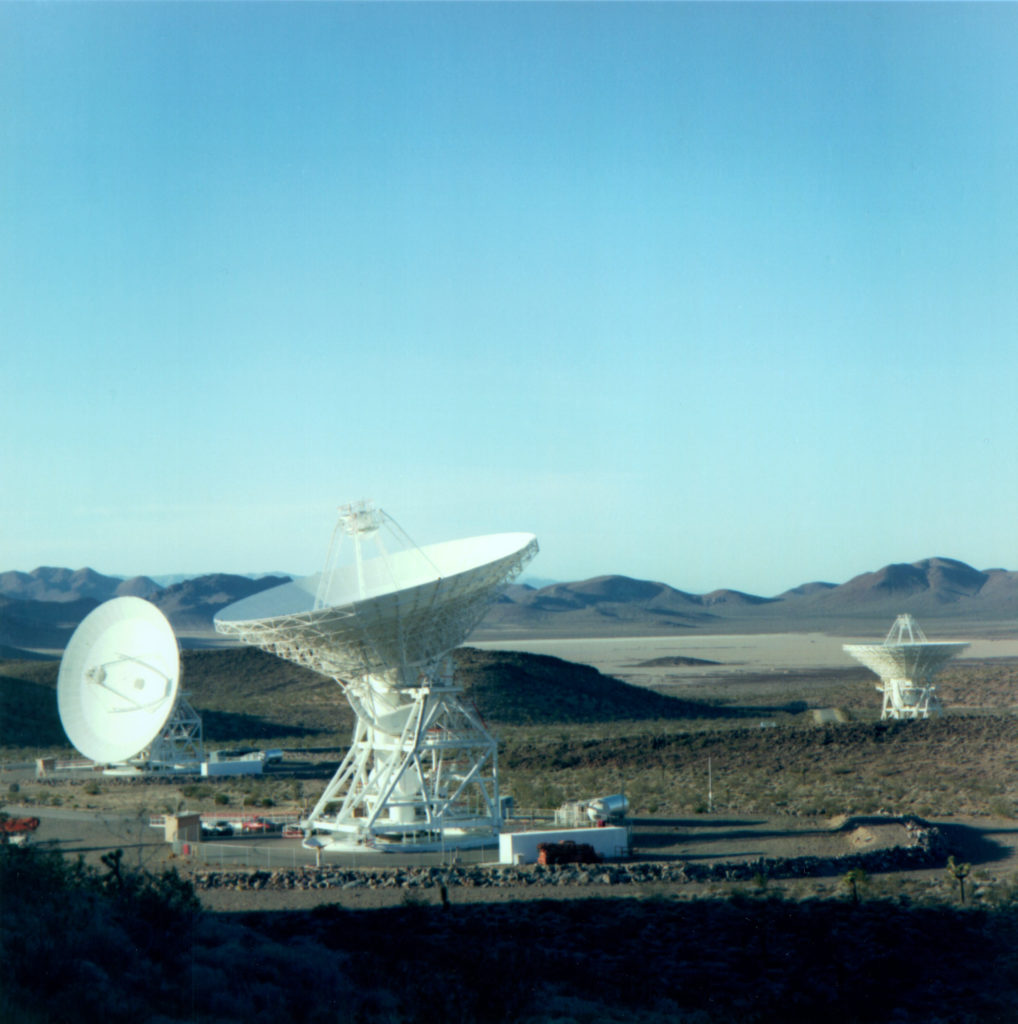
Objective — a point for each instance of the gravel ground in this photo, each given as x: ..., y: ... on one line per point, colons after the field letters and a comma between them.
x: 990, y: 845
x: 724, y: 847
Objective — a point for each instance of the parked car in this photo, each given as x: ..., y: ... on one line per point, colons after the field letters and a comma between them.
x: 259, y: 825
x: 293, y: 832
x: 217, y: 829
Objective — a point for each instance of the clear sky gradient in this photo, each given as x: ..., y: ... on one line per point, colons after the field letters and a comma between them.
x: 712, y: 294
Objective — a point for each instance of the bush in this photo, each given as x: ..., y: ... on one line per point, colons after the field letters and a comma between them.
x: 103, y: 925
x: 1002, y: 807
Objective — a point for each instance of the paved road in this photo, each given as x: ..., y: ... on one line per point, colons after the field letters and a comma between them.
x: 93, y: 833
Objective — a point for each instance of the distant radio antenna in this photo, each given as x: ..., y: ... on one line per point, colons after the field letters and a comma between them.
x: 906, y: 663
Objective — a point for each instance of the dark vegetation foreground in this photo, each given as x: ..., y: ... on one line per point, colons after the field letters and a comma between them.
x: 111, y: 946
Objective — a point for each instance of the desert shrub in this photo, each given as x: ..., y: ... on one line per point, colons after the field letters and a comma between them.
x: 135, y: 946
x: 1002, y: 807
x: 95, y: 923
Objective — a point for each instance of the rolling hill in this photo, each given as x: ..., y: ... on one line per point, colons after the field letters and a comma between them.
x: 49, y: 584
x: 246, y: 694
x: 191, y: 605
x: 39, y: 610
x: 931, y: 589
x: 47, y: 622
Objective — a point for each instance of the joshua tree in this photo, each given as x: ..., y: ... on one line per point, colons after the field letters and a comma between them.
x: 959, y: 872
x: 854, y: 879
x: 112, y: 862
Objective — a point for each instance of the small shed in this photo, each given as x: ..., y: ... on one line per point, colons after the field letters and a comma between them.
x: 182, y: 828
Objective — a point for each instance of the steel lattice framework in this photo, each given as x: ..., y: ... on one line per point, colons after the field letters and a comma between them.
x: 422, y: 768
x: 906, y: 663
x: 180, y: 741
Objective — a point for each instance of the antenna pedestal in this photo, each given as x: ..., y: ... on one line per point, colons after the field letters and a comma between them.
x: 905, y: 699
x: 416, y: 773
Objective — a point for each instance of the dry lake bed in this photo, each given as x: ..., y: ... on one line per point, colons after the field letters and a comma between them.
x: 646, y: 660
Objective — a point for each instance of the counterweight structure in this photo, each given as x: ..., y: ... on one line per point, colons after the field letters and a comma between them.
x: 422, y: 768
x: 906, y: 663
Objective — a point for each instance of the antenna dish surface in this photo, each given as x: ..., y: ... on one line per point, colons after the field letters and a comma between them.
x: 118, y: 680
x: 906, y: 663
x: 407, y: 608
x: 907, y: 660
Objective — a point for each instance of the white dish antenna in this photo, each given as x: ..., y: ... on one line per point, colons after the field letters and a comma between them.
x: 118, y: 691
x: 379, y: 619
x: 906, y: 663
x: 118, y: 680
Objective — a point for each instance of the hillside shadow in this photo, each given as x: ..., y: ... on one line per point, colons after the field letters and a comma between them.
x: 792, y: 707
x: 228, y: 726
x: 704, y: 821
x: 28, y: 714
x: 734, y: 839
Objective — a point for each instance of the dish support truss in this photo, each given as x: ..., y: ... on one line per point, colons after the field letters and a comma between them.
x: 422, y: 769
x: 908, y: 699
x: 906, y: 663
x: 179, y: 742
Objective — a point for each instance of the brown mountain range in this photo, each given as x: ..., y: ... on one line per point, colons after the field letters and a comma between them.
x: 47, y: 623
x: 40, y: 610
x: 938, y: 589
x: 49, y: 584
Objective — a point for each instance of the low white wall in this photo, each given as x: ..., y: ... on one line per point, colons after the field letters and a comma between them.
x: 231, y: 767
x: 521, y: 847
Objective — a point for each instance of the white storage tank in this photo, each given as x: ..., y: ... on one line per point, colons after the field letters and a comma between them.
x: 608, y: 808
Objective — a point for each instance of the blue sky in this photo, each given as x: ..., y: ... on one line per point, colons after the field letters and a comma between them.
x: 712, y: 294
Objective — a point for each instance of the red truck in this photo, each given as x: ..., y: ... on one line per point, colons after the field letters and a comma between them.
x: 567, y: 852
x: 17, y: 830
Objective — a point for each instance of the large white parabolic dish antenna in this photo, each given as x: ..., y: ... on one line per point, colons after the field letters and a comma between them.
x: 906, y: 663
x: 401, y: 610
x: 118, y: 680
x: 421, y: 766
